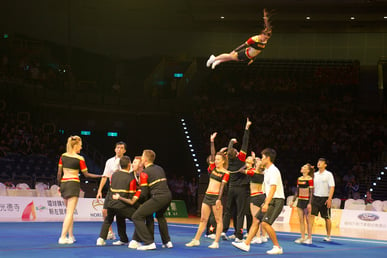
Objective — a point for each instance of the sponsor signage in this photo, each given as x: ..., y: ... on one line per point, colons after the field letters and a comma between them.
x: 15, y: 208
x: 364, y: 219
x: 26, y: 208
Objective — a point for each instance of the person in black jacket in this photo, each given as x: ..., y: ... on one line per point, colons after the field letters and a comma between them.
x: 153, y: 178
x: 123, y: 184
x: 238, y: 194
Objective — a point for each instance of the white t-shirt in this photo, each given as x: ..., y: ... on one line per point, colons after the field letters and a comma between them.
x: 322, y: 183
x: 273, y: 177
x: 112, y: 165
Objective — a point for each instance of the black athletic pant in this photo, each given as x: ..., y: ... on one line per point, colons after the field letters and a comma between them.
x: 238, y: 197
x: 121, y: 214
x: 158, y: 204
x: 150, y: 224
x: 211, y: 224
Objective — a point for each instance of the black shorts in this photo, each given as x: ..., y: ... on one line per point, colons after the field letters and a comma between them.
x: 302, y: 204
x: 210, y: 199
x: 107, y: 198
x: 258, y: 200
x: 319, y: 206
x: 242, y: 55
x: 274, y: 210
x: 70, y: 189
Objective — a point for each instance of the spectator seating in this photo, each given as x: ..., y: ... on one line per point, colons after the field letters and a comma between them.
x: 377, y: 205
x: 41, y: 189
x: 3, y: 190
x: 289, y: 200
x: 54, y: 190
x: 352, y: 204
x: 384, y: 206
x: 336, y: 203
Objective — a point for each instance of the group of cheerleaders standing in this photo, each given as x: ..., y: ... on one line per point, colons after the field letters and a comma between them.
x: 266, y: 196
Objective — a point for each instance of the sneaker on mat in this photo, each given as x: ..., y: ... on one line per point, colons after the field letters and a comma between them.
x: 241, y: 246
x: 119, y: 242
x: 275, y: 250
x: 134, y: 244
x: 256, y: 240
x: 167, y: 245
x: 100, y: 241
x: 65, y: 241
x: 214, y: 245
x: 308, y: 241
x: 147, y: 247
x: 193, y: 242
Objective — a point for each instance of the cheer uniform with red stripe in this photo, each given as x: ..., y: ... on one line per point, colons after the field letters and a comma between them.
x: 254, y: 42
x: 219, y: 176
x: 70, y: 186
x: 256, y: 198
x: 303, y: 192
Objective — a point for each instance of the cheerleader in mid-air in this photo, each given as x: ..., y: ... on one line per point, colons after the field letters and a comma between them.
x: 248, y: 50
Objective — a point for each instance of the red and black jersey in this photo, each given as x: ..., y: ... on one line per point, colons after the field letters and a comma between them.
x: 211, y: 167
x: 154, y: 178
x: 72, y: 162
x: 255, y: 43
x: 304, y: 186
x: 220, y: 176
x: 124, y: 183
x: 255, y: 177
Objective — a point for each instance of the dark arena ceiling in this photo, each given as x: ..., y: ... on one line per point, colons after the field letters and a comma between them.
x: 97, y: 24
x: 290, y: 15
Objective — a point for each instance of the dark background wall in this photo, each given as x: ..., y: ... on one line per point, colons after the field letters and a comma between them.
x: 127, y: 29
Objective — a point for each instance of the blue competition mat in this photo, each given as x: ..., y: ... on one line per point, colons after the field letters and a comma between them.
x: 39, y: 239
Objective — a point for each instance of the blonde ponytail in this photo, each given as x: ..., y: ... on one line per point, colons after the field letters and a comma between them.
x: 71, y: 141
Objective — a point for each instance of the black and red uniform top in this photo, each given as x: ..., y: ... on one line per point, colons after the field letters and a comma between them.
x: 304, y: 186
x: 124, y: 183
x: 256, y: 178
x: 74, y: 163
x: 220, y: 176
x: 255, y: 43
x: 154, y: 178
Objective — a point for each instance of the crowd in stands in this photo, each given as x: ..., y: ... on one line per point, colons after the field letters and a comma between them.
x: 185, y: 189
x: 290, y: 77
x: 26, y: 151
x: 19, y: 135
